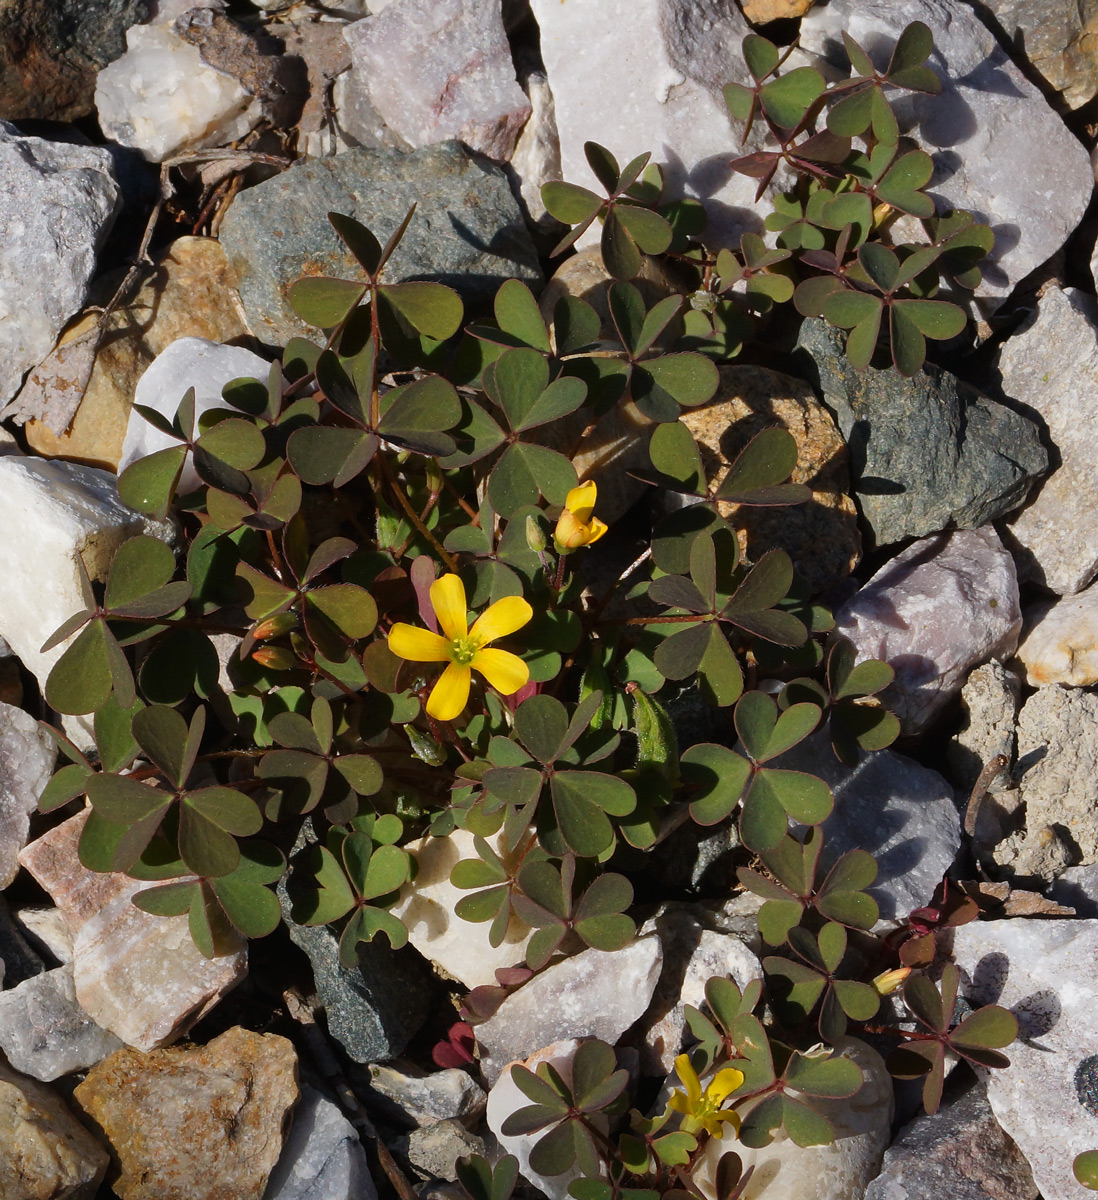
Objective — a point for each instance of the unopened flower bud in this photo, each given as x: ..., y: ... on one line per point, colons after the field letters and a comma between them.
x: 888, y: 981
x: 535, y: 535
x: 274, y: 626
x: 275, y: 658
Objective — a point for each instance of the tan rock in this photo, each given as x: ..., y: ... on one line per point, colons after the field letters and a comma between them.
x: 1061, y: 642
x: 191, y: 294
x: 45, y: 1153
x: 138, y: 975
x: 759, y: 12
x: 195, y: 1122
x: 820, y: 536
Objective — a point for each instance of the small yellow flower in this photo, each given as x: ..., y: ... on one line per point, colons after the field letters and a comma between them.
x: 577, y: 526
x: 464, y: 648
x: 702, y: 1110
x: 889, y: 981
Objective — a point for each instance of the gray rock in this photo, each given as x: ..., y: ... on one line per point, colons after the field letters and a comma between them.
x: 939, y: 608
x: 26, y: 763
x: 960, y: 1152
x: 50, y: 54
x: 1056, y: 37
x: 1043, y: 971
x: 1051, y: 366
x: 322, y: 1158
x: 427, y: 1098
x: 376, y: 1009
x: 45, y: 1033
x: 57, y: 205
x: 468, y: 230
x: 989, y: 699
x: 926, y: 453
x: 900, y: 811
x: 596, y: 993
x: 439, y: 69
x: 988, y: 121
x: 435, y: 1148
x: 1077, y: 888
x: 359, y: 123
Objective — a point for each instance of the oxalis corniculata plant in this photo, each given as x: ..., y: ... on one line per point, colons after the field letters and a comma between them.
x: 389, y: 528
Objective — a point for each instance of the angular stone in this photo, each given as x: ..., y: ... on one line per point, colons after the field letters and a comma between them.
x: 429, y: 1097
x: 161, y: 97
x: 939, y: 608
x: 692, y: 955
x: 990, y: 698
x: 1057, y: 38
x: 1077, y: 888
x: 426, y: 906
x: 926, y: 453
x: 468, y: 231
x: 26, y: 763
x: 50, y: 54
x: 1043, y: 971
x: 900, y: 811
x: 358, y: 123
x: 1051, y: 366
x: 195, y: 1122
x: 760, y: 12
x: 323, y: 1158
x: 988, y: 119
x: 48, y: 926
x: 1060, y: 641
x: 438, y: 69
x: 669, y: 60
x: 57, y: 205
x: 140, y: 977
x: 77, y: 519
x: 18, y: 959
x: 435, y: 1148
x: 536, y: 158
x: 1057, y: 766
x: 188, y: 362
x: 45, y: 1033
x: 596, y: 993
x: 840, y: 1171
x: 960, y: 1152
x: 192, y: 293
x: 45, y: 1153
x: 820, y: 536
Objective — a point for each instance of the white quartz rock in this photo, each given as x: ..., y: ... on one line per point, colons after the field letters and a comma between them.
x: 161, y: 97
x: 48, y: 925
x: 26, y: 763
x: 438, y: 69
x: 667, y: 61
x: 188, y: 362
x: 536, y: 159
x: 1051, y: 366
x: 57, y: 204
x: 840, y: 1171
x: 596, y: 993
x: 1060, y: 644
x: 54, y: 516
x: 322, y: 1158
x: 988, y: 121
x: 1043, y: 971
x: 426, y: 907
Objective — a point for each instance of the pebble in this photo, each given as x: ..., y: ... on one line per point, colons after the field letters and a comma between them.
x: 27, y: 756
x: 195, y: 1122
x: 323, y: 1157
x: 429, y: 1097
x: 435, y: 1148
x: 57, y: 205
x: 595, y: 993
x: 944, y: 605
x: 1051, y: 366
x: 926, y: 453
x: 1060, y: 641
x: 1043, y: 971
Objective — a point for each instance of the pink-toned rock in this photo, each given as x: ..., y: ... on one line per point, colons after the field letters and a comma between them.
x: 1061, y: 641
x: 941, y: 607
x: 139, y: 976
x: 439, y: 69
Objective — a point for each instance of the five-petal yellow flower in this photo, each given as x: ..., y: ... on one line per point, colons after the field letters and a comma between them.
x: 464, y: 649
x: 702, y: 1110
x: 577, y: 526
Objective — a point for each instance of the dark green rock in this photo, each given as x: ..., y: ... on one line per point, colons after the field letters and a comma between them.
x: 468, y: 231
x: 927, y: 453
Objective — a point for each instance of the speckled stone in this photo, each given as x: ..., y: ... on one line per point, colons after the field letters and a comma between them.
x: 990, y: 699
x: 820, y: 536
x: 195, y: 1122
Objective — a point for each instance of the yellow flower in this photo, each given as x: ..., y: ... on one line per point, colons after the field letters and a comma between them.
x: 889, y: 981
x: 464, y: 648
x: 702, y: 1110
x: 577, y: 526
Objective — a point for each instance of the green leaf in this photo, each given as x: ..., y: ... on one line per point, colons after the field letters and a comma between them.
x: 649, y: 230
x: 990, y: 1026
x: 569, y: 203
x: 350, y: 609
x: 148, y: 485
x: 620, y: 254
x: 715, y: 778
x: 688, y: 379
x: 359, y: 240
x: 674, y: 453
x: 331, y: 898
x: 82, y: 678
x: 862, y: 341
x: 234, y: 441
x: 848, y: 308
x: 517, y: 313
x: 767, y: 460
x: 1085, y: 1169
x: 913, y: 47
x: 541, y: 724
x: 582, y: 823
x: 788, y: 98
x: 322, y: 301
x: 763, y: 821
x: 576, y: 325
x: 162, y: 735
x: 880, y: 264
x: 65, y: 784
x: 526, y: 471
x: 114, y: 735
x: 902, y: 182
x: 140, y: 566
x: 760, y: 54
x: 852, y: 115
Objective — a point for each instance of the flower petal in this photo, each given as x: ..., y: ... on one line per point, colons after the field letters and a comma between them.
x: 723, y: 1084
x: 581, y: 500
x: 500, y: 619
x: 449, y: 695
x: 598, y: 528
x: 504, y: 671
x: 448, y: 600
x: 418, y: 645
x: 689, y: 1078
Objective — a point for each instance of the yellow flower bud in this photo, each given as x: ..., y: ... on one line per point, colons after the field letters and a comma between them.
x: 889, y: 981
